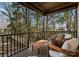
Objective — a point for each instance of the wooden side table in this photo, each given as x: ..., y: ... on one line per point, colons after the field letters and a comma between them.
x: 37, y: 46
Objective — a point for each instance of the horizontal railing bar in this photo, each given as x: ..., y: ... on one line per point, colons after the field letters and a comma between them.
x: 35, y: 33
x: 12, y: 34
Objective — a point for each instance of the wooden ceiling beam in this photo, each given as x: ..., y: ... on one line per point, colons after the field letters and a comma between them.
x: 38, y: 7
x: 30, y: 6
x: 40, y: 10
x: 61, y: 7
x: 43, y: 4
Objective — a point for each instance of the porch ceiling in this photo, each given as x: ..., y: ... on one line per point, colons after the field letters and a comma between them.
x: 48, y: 7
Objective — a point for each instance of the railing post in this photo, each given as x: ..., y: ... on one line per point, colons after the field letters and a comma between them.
x: 11, y: 44
x: 17, y: 42
x: 7, y: 45
x: 14, y: 43
x: 20, y: 42
x: 2, y: 46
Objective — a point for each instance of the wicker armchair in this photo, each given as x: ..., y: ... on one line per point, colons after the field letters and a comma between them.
x: 67, y: 47
x: 64, y: 51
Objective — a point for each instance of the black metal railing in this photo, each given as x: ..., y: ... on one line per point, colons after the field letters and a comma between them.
x: 13, y: 43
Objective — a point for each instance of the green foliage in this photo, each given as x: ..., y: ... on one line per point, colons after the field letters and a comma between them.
x: 61, y: 17
x: 17, y: 18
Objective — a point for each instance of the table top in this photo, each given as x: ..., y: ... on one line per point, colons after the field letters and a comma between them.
x: 40, y: 43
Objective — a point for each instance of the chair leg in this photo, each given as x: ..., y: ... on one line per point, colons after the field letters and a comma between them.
x: 49, y: 56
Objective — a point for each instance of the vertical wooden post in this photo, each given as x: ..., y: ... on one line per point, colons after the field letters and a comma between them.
x: 28, y: 28
x: 78, y: 20
x: 46, y: 25
x: 43, y: 27
x: 37, y: 26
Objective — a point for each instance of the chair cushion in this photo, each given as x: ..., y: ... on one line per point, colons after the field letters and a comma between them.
x: 67, y: 36
x: 54, y: 53
x: 70, y: 45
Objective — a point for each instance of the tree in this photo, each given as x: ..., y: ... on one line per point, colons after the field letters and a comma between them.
x: 17, y: 17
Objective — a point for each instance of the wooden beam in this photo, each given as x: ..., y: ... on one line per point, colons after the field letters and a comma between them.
x: 40, y: 10
x: 30, y: 6
x: 63, y: 7
x: 43, y: 4
x: 38, y: 7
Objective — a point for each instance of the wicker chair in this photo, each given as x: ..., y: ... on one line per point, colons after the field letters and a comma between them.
x: 64, y: 51
x: 66, y: 47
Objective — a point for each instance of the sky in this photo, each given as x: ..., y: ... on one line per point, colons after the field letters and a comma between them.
x: 3, y: 18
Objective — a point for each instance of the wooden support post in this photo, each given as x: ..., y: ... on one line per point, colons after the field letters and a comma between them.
x: 28, y: 28
x: 78, y: 20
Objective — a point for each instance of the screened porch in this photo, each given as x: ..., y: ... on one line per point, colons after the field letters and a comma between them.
x: 24, y: 24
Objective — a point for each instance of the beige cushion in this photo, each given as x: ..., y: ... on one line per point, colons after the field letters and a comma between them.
x: 68, y: 36
x: 54, y: 53
x: 71, y: 45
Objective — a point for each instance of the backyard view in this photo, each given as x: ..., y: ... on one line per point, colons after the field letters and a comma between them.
x: 21, y: 26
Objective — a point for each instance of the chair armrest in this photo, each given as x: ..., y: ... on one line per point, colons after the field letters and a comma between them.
x: 64, y: 51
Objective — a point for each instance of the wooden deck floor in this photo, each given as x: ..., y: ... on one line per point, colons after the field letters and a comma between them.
x: 43, y: 52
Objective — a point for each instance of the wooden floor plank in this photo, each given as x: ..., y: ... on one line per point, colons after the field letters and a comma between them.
x: 29, y: 53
